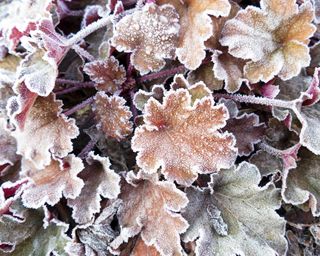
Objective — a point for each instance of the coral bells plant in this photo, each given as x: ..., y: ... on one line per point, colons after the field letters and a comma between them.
x: 159, y: 127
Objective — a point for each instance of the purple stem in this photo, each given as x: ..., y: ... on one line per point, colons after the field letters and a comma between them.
x: 79, y: 106
x: 75, y: 88
x: 164, y: 73
x: 84, y: 152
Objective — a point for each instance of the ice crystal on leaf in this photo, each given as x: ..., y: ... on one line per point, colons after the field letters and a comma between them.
x: 99, y: 181
x: 49, y: 184
x: 235, y: 216
x: 150, y: 207
x: 53, y: 130
x: 182, y: 139
x: 151, y: 34
x: 108, y: 74
x: 113, y: 116
x: 196, y: 27
x: 274, y: 38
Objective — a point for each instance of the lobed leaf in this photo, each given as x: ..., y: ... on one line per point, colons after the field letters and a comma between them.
x: 302, y: 183
x: 50, y: 183
x: 108, y: 74
x: 272, y: 38
x: 99, y: 181
x: 235, y: 216
x: 113, y: 116
x: 150, y: 207
x: 183, y: 139
x: 247, y: 131
x: 196, y: 27
x: 54, y: 132
x: 151, y: 34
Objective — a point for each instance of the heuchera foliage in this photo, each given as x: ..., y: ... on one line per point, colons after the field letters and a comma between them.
x: 159, y: 127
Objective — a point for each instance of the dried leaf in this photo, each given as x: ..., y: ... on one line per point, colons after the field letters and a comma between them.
x: 49, y: 184
x: 53, y: 132
x: 99, y: 181
x: 247, y: 131
x: 235, y: 216
x: 151, y: 34
x: 27, y: 234
x: 108, y: 74
x: 150, y: 208
x: 196, y: 27
x: 176, y: 124
x: 113, y: 116
x: 302, y: 184
x: 272, y: 38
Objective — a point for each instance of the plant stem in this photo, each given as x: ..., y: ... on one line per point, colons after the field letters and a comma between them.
x: 88, y: 30
x: 257, y: 100
x: 84, y: 152
x: 79, y: 106
x: 71, y: 82
x: 82, y: 52
x: 163, y: 73
x: 77, y: 87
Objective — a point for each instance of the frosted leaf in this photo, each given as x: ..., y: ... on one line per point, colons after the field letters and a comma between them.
x: 182, y: 139
x: 113, y: 116
x: 315, y: 55
x: 226, y: 67
x: 141, y: 97
x: 19, y: 17
x: 196, y: 27
x: 95, y: 238
x: 151, y: 34
x: 28, y: 236
x: 8, y: 68
x: 197, y: 91
x: 107, y: 74
x: 141, y: 248
x: 267, y: 163
x: 18, y: 107
x: 99, y: 181
x: 272, y: 38
x: 39, y: 72
x: 54, y: 44
x: 49, y: 184
x: 53, y: 130
x: 303, y: 183
x: 235, y: 216
x: 150, y: 207
x: 204, y: 73
x: 247, y: 131
x: 8, y: 145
